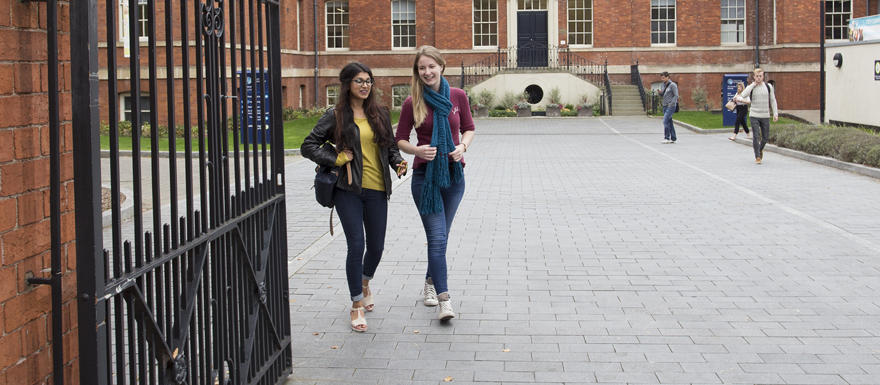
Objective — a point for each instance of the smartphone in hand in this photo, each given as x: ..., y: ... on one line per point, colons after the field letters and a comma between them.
x: 401, y: 169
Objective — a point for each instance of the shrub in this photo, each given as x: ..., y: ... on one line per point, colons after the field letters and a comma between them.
x: 848, y: 144
x: 288, y: 113
x: 555, y: 97
x: 522, y: 105
x: 509, y: 99
x: 485, y: 98
x: 568, y: 112
x: 699, y: 96
x: 502, y: 113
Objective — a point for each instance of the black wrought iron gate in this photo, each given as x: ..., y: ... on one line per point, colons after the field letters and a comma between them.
x: 192, y: 289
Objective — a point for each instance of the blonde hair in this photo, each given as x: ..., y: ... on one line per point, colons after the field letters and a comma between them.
x: 420, y: 111
x: 758, y: 70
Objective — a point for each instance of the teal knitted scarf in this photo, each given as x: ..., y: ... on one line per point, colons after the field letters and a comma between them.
x: 437, y: 174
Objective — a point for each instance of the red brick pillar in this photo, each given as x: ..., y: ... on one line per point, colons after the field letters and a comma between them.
x: 25, y: 310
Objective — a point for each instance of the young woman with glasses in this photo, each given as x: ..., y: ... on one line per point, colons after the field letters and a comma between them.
x: 441, y: 116
x: 361, y: 130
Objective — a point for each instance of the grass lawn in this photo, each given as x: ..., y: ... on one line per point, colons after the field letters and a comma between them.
x: 710, y: 121
x: 294, y: 133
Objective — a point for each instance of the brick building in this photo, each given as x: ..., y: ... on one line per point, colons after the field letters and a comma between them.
x: 696, y: 40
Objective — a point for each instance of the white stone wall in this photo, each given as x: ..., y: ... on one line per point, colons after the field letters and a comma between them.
x: 571, y: 87
x: 851, y: 93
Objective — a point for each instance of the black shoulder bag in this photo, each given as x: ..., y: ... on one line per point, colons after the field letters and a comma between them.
x: 325, y: 183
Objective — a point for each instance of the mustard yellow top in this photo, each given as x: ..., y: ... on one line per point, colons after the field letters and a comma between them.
x: 372, y: 179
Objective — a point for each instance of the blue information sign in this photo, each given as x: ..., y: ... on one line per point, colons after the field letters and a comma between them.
x: 728, y: 91
x: 254, y: 91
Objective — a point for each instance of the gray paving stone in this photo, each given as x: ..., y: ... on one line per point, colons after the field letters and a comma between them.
x: 652, y: 263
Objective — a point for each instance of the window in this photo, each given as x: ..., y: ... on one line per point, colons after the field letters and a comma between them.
x: 837, y: 15
x: 403, y: 24
x: 526, y: 5
x: 733, y: 21
x: 399, y: 94
x: 485, y: 23
x: 142, y: 21
x: 332, y: 95
x: 337, y: 24
x: 127, y: 105
x: 662, y: 21
x: 580, y: 22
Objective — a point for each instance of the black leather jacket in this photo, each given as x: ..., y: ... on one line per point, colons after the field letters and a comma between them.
x: 313, y: 148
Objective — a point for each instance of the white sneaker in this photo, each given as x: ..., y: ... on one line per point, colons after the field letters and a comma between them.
x: 666, y: 141
x: 446, y: 311
x: 430, y: 295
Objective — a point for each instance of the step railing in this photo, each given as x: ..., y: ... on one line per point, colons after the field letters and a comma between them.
x: 636, y: 79
x: 533, y: 58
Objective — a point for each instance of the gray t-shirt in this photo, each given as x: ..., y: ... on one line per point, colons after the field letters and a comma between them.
x: 670, y: 93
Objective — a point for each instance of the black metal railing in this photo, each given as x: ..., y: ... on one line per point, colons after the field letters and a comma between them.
x: 636, y: 79
x: 192, y: 289
x: 608, y: 96
x: 532, y: 58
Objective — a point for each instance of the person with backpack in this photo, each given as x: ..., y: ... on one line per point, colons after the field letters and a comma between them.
x: 669, y: 91
x: 361, y: 130
x: 763, y: 98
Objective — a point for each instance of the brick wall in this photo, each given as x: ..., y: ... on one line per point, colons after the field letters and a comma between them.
x: 25, y: 321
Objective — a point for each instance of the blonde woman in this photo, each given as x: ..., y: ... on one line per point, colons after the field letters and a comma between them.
x: 441, y: 117
x: 742, y: 109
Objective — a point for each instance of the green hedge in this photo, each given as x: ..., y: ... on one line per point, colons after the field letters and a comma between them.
x: 849, y: 144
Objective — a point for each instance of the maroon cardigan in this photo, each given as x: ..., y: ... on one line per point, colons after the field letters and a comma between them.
x: 460, y: 120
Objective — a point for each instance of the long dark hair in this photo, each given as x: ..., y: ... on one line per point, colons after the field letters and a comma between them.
x: 373, y: 109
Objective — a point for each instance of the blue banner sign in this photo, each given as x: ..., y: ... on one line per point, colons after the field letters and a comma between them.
x: 254, y: 94
x: 728, y: 91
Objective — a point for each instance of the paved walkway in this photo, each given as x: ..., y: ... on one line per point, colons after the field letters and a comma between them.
x: 585, y: 251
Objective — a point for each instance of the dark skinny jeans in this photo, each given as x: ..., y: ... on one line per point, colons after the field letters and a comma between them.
x: 741, y: 112
x: 362, y: 214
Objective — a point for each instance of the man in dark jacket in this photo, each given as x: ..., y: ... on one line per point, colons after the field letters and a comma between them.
x: 669, y: 91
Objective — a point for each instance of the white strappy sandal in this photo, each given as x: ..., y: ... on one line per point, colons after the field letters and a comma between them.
x: 359, y: 324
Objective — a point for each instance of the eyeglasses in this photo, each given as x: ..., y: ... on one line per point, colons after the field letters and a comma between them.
x: 360, y: 82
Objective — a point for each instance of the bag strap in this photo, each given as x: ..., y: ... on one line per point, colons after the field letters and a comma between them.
x: 331, y: 222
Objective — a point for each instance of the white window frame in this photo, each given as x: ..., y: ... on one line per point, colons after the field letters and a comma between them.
x: 124, y: 113
x: 404, y: 8
x: 846, y: 17
x: 346, y: 35
x: 492, y: 11
x: 332, y: 95
x: 122, y: 20
x: 588, y: 21
x: 737, y: 21
x: 531, y: 5
x: 397, y: 96
x: 674, y: 21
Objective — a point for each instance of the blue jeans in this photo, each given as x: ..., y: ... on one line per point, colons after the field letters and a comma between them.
x: 362, y: 213
x: 437, y: 227
x: 668, y: 128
